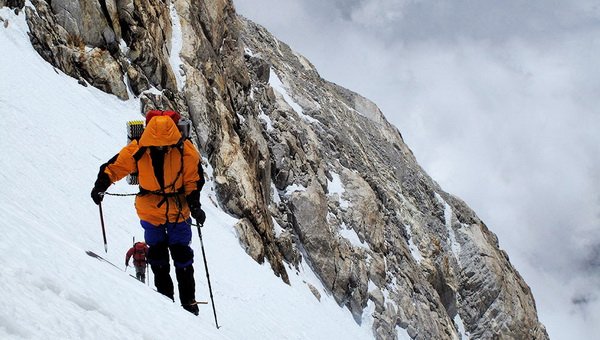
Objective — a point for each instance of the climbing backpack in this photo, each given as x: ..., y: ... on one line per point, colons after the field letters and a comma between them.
x: 139, y: 252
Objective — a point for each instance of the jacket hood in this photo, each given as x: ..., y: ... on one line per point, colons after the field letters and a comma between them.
x: 160, y: 131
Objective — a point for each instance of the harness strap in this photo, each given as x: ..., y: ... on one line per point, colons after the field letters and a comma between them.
x: 165, y: 195
x: 179, y: 146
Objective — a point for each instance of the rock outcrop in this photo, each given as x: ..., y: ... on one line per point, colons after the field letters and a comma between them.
x: 314, y: 171
x: 16, y: 4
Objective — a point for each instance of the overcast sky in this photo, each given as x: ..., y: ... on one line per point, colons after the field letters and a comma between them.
x: 500, y: 102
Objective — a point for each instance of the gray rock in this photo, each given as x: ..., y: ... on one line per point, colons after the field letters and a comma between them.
x: 137, y: 80
x: 103, y: 72
x: 412, y: 332
x: 378, y: 298
x: 15, y: 4
x: 315, y: 291
x: 387, y: 198
x: 67, y: 51
x: 250, y: 240
x: 288, y: 249
x: 260, y: 68
x: 86, y: 19
x: 309, y: 213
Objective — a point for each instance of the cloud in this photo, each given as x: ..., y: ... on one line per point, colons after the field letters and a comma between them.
x: 499, y: 101
x: 442, y: 20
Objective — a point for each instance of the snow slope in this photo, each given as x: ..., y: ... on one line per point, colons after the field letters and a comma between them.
x: 54, y: 134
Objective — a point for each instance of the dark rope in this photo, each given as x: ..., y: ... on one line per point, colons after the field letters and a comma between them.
x: 121, y: 195
x: 162, y: 192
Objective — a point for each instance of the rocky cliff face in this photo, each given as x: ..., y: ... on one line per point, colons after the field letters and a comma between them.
x: 314, y: 171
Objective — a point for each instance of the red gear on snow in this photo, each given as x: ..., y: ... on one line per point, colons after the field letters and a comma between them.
x: 153, y: 113
x: 139, y: 251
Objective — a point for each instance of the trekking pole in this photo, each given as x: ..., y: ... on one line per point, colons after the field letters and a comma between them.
x: 212, y: 300
x: 133, y: 246
x: 103, y: 231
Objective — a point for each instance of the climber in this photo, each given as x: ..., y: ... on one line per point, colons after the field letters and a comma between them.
x: 170, y: 177
x: 139, y: 252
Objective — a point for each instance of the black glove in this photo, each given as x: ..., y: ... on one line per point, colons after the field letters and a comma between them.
x: 193, y: 201
x: 198, y: 214
x: 102, y: 183
x: 97, y: 195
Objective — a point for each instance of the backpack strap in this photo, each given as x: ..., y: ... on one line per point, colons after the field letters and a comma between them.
x: 138, y: 154
x: 180, y: 147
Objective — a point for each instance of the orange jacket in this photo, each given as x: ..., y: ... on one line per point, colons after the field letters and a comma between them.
x: 155, y: 204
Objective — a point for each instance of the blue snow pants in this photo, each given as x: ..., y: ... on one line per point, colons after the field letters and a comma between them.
x: 174, y: 237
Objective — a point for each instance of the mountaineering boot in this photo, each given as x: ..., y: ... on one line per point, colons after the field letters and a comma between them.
x: 192, y: 308
x: 162, y: 280
x: 141, y: 277
x: 187, y: 288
